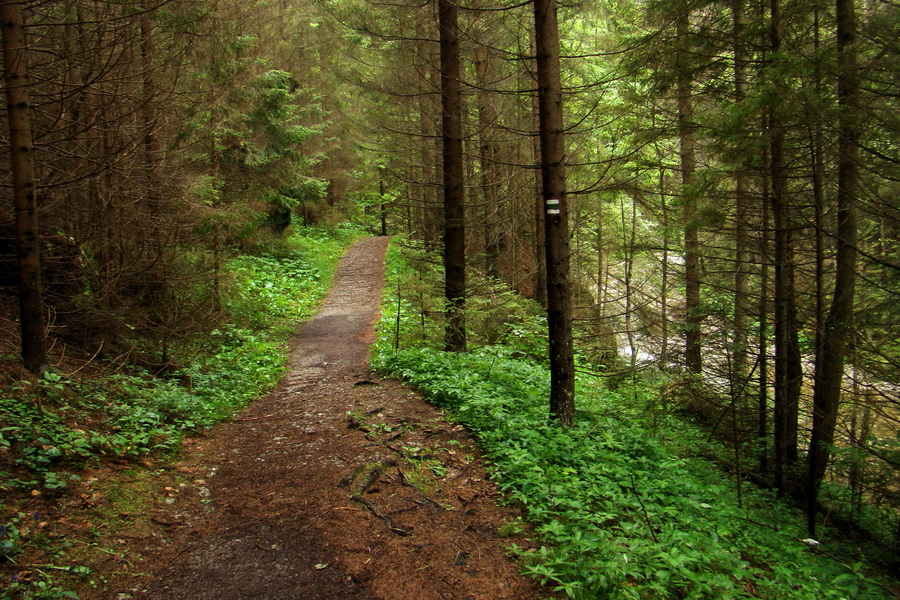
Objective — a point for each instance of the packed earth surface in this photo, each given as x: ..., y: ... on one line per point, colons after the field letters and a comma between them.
x: 338, y: 484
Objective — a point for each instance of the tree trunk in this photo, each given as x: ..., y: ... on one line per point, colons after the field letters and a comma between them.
x: 741, y: 215
x: 686, y: 130
x: 152, y: 155
x: 556, y: 223
x: 429, y: 217
x: 788, y: 370
x: 664, y: 271
x: 762, y: 399
x: 818, y: 178
x: 382, y: 207
x: 838, y: 327
x: 540, y: 257
x: 487, y: 158
x: 31, y: 312
x: 629, y: 232
x: 454, y: 200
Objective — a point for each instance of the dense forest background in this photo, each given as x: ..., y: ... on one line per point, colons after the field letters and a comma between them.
x: 731, y: 189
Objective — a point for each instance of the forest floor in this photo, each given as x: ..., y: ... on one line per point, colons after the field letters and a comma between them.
x: 336, y: 485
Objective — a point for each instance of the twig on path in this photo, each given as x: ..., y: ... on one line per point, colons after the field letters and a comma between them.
x: 429, y: 503
x: 404, y: 480
x: 465, y: 502
x: 374, y: 510
x: 462, y: 472
x: 255, y: 418
x: 394, y: 449
x: 426, y: 501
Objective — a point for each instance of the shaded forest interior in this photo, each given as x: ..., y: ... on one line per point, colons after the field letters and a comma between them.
x: 726, y: 171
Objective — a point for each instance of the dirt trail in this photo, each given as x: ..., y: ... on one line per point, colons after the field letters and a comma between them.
x: 294, y: 499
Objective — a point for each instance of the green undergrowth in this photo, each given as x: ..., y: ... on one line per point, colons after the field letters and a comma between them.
x: 51, y: 430
x: 620, y: 514
x: 625, y: 504
x: 494, y: 313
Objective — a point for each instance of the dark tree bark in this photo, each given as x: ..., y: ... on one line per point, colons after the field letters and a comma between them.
x: 664, y: 271
x: 686, y: 131
x: 487, y: 158
x: 152, y: 155
x: 788, y: 368
x: 838, y: 326
x: 430, y: 209
x: 540, y: 257
x: 382, y: 207
x: 31, y: 312
x: 556, y: 223
x: 741, y: 214
x: 762, y: 398
x: 454, y: 198
x: 431, y: 215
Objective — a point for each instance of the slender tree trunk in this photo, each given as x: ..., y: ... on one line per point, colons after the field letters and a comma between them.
x: 629, y: 232
x: 540, y: 258
x: 157, y: 298
x: 741, y: 216
x: 818, y: 176
x: 556, y: 223
x: 788, y: 369
x: 487, y: 158
x: 762, y: 413
x: 838, y: 327
x: 382, y: 207
x: 860, y: 429
x: 429, y: 210
x: 429, y: 218
x: 28, y: 241
x: 686, y: 129
x: 664, y: 283
x: 454, y: 200
x: 152, y: 155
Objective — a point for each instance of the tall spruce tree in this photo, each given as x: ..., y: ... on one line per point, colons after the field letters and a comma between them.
x: 28, y: 237
x: 454, y: 192
x: 556, y: 221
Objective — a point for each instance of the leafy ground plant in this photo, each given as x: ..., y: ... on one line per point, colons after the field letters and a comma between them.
x: 625, y: 504
x: 620, y: 514
x: 51, y: 430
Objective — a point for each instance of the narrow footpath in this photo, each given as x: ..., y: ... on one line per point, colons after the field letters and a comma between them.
x: 337, y: 485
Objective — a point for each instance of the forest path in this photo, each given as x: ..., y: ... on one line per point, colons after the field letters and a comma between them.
x: 294, y: 499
